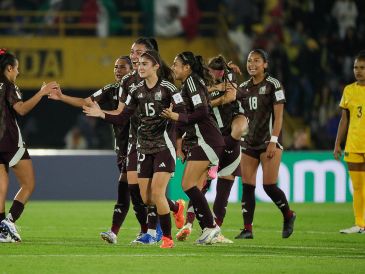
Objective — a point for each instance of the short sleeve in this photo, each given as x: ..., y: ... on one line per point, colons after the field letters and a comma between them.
x: 14, y: 95
x: 344, y: 99
x: 197, y: 92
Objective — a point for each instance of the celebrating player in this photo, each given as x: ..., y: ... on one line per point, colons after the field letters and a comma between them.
x: 13, y: 152
x: 262, y: 98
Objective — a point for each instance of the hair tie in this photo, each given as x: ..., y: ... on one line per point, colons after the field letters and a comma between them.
x: 2, y: 51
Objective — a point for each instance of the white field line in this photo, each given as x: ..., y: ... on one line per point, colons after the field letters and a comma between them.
x: 182, y: 255
x: 350, y: 249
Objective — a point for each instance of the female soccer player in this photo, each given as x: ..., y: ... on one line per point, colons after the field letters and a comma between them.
x: 353, y: 122
x: 231, y: 124
x: 203, y: 137
x: 155, y: 136
x: 149, y: 233
x: 108, y: 98
x: 262, y: 98
x: 13, y: 152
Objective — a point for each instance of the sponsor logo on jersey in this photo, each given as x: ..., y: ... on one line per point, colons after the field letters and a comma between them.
x: 196, y: 99
x: 177, y: 98
x: 140, y: 95
x: 158, y: 95
x: 279, y: 95
x: 262, y: 90
x: 162, y: 165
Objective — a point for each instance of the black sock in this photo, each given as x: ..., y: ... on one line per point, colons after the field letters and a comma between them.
x: 15, y: 211
x: 224, y: 187
x: 140, y: 209
x: 248, y: 203
x: 279, y: 198
x: 122, y: 207
x: 174, y: 207
x: 2, y: 216
x: 152, y: 217
x: 201, y: 207
x: 165, y: 222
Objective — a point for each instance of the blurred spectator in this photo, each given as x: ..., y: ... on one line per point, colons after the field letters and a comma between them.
x: 345, y: 12
x: 300, y: 140
x: 75, y: 140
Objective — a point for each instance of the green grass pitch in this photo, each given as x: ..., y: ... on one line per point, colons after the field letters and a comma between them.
x: 63, y: 237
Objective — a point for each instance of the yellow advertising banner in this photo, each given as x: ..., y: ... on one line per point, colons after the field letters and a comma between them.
x: 84, y: 63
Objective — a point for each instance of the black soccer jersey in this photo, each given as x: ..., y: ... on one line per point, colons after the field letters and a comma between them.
x: 258, y: 103
x: 128, y: 82
x: 224, y: 114
x: 108, y: 99
x: 10, y: 136
x: 155, y: 133
x: 200, y: 126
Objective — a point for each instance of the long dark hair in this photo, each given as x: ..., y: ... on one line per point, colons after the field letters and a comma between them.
x: 197, y: 66
x: 149, y: 43
x: 6, y: 59
x: 164, y: 71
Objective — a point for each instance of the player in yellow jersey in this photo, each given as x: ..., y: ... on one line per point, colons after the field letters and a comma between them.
x: 353, y: 122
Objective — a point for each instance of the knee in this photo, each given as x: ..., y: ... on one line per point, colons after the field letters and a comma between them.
x: 157, y: 195
x: 239, y: 128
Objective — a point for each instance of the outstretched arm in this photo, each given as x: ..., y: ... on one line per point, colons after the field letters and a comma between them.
x: 22, y: 108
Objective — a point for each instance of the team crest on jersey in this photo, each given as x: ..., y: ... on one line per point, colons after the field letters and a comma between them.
x: 158, y: 95
x: 262, y: 90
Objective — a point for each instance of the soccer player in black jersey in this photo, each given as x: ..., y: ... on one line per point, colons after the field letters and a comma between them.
x: 231, y: 123
x: 149, y: 235
x: 202, y: 136
x: 262, y: 98
x: 155, y: 135
x: 13, y: 152
x: 108, y: 98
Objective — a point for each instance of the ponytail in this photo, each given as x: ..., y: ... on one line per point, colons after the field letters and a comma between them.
x: 197, y: 66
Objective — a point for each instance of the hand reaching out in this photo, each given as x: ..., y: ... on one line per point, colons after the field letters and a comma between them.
x: 47, y: 89
x: 93, y: 110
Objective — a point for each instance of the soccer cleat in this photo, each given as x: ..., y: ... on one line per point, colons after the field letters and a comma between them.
x: 158, y: 232
x: 208, y: 234
x: 167, y: 242
x: 109, y: 237
x: 212, y: 172
x: 244, y: 234
x: 145, y: 239
x: 179, y: 216
x: 11, y: 229
x: 288, y: 226
x: 5, y: 237
x: 220, y: 239
x: 353, y: 230
x: 184, y: 232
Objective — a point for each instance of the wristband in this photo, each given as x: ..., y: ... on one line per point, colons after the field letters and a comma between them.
x: 274, y: 139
